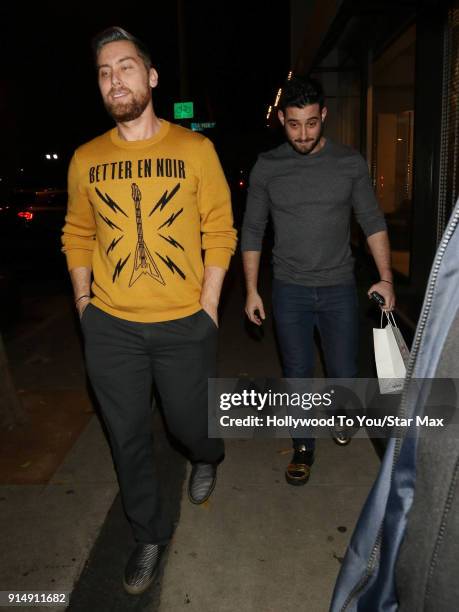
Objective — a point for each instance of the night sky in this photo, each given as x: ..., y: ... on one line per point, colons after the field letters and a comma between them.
x: 237, y: 54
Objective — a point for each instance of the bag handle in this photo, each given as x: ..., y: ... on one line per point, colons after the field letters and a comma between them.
x: 390, y: 318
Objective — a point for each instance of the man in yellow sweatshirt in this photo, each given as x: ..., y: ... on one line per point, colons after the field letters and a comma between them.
x: 146, y: 199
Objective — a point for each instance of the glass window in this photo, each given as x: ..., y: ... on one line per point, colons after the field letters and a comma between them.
x: 349, y: 107
x: 449, y: 164
x: 393, y: 123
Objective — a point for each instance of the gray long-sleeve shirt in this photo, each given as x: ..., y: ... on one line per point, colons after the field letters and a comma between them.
x: 310, y: 198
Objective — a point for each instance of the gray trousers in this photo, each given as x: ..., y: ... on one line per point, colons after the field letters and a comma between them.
x: 123, y: 360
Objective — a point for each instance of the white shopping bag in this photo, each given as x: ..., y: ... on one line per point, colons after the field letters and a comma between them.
x: 391, y: 356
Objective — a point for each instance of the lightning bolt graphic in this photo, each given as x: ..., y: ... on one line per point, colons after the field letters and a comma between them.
x: 110, y: 223
x: 172, y: 241
x: 171, y: 219
x: 171, y: 265
x: 113, y: 244
x: 119, y: 266
x: 164, y: 199
x: 109, y: 202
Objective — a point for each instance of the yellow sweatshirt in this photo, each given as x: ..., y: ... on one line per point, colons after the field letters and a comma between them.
x: 140, y: 213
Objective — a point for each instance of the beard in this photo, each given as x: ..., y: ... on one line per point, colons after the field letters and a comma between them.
x: 123, y: 112
x: 307, y: 146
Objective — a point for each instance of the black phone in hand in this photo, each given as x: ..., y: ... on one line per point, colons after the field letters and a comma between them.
x: 378, y: 298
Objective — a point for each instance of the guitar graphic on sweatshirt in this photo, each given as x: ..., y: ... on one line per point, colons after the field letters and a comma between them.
x: 143, y: 260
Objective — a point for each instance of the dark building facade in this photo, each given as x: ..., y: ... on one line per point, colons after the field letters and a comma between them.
x: 391, y: 74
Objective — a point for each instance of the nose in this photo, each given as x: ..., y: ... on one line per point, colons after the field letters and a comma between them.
x: 115, y: 78
x: 304, y: 133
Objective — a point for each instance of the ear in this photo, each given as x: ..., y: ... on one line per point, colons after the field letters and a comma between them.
x: 153, y: 78
x: 324, y: 113
x: 281, y: 117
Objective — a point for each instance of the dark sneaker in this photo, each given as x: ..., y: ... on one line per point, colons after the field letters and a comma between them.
x: 299, y: 468
x: 202, y: 482
x: 142, y: 567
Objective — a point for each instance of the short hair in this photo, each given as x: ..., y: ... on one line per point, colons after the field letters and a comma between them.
x: 301, y: 91
x: 114, y: 34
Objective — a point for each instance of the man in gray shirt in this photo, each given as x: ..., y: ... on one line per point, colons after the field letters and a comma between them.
x: 309, y: 185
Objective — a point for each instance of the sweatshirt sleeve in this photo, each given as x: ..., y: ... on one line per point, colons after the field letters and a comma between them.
x: 367, y: 211
x: 214, y: 203
x: 79, y: 231
x: 256, y: 212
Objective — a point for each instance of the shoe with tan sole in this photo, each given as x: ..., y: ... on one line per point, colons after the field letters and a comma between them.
x: 299, y: 468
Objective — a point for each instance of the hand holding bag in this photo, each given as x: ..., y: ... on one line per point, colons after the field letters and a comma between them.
x: 391, y: 356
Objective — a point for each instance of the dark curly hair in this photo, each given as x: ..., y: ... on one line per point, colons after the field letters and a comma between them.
x: 301, y: 91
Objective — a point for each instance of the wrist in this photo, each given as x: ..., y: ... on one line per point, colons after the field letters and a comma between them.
x: 209, y: 303
x: 81, y: 298
x: 386, y: 274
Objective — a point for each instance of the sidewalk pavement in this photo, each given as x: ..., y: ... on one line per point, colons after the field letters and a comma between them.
x: 257, y: 544
x: 51, y: 510
x: 261, y: 545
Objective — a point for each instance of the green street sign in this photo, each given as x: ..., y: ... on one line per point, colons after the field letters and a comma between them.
x: 183, y: 110
x: 199, y: 127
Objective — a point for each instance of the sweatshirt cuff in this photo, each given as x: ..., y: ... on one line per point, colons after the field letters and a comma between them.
x: 78, y: 258
x: 220, y: 257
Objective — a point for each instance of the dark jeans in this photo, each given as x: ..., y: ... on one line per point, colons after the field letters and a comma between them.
x: 123, y: 359
x: 334, y: 311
